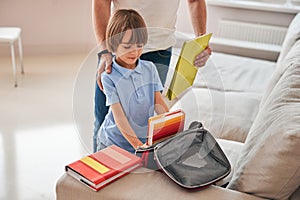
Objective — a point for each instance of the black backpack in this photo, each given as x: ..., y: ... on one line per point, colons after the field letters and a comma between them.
x: 192, y: 158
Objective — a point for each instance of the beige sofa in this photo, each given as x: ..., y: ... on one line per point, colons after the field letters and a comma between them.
x: 253, y: 108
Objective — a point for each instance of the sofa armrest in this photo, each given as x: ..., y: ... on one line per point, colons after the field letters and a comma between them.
x: 142, y: 184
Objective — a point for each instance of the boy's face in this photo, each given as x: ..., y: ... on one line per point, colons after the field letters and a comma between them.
x: 126, y: 53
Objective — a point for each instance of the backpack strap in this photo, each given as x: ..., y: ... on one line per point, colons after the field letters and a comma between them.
x: 195, y: 124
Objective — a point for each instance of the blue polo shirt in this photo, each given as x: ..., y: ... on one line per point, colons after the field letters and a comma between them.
x: 134, y: 89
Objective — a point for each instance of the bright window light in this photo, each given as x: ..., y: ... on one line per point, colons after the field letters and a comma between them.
x: 41, y: 155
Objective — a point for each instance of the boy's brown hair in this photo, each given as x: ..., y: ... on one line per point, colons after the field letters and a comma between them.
x: 121, y: 21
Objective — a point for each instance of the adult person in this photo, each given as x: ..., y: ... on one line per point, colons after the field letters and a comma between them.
x: 160, y: 17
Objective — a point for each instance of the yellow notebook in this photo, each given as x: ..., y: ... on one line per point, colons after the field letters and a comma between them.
x: 185, y: 71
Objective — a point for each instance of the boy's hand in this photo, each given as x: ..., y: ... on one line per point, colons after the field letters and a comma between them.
x: 104, y: 64
x: 144, y: 146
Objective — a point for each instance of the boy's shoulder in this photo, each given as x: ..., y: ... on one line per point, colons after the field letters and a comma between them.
x: 114, y: 72
x: 112, y: 76
x: 147, y: 63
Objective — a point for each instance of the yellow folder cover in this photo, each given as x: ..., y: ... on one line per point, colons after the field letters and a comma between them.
x: 185, y: 71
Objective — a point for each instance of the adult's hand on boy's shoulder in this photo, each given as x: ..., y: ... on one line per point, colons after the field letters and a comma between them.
x: 104, y: 64
x: 201, y: 58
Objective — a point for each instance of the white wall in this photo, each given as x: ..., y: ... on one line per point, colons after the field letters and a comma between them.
x: 215, y: 13
x: 265, y: 17
x: 63, y: 26
x: 50, y: 26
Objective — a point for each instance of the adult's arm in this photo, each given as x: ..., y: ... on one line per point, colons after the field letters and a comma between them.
x: 101, y: 14
x: 197, y: 10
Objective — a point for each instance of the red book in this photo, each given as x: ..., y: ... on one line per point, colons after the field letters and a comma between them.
x: 103, y: 167
x: 165, y: 125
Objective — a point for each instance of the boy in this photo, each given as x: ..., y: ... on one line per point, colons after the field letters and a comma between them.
x: 133, y: 87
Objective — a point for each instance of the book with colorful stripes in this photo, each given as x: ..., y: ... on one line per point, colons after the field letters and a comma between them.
x: 165, y: 125
x: 103, y: 167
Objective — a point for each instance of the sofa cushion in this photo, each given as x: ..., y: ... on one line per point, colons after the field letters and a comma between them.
x: 232, y: 151
x: 269, y: 163
x: 293, y: 34
x: 142, y: 184
x: 231, y: 73
x: 227, y: 115
x: 291, y: 57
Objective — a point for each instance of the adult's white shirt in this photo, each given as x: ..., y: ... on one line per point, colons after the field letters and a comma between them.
x: 160, y: 17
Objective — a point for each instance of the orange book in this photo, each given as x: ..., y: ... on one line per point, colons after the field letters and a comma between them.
x: 165, y: 125
x: 103, y: 167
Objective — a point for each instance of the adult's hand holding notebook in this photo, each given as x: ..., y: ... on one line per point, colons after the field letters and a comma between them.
x: 185, y: 71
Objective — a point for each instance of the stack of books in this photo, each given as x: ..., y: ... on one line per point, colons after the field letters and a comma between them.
x: 103, y: 167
